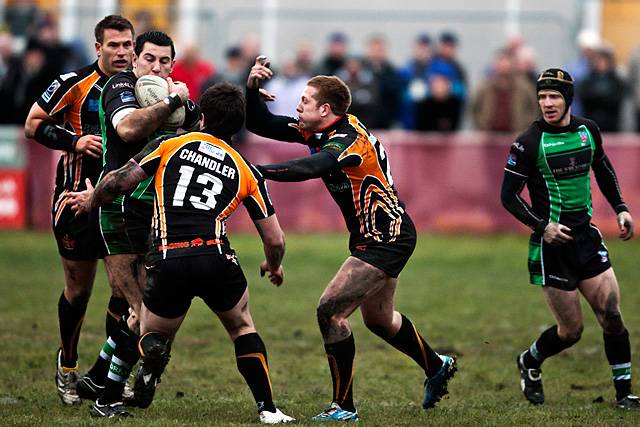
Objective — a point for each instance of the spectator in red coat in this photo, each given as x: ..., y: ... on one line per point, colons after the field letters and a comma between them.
x: 192, y: 69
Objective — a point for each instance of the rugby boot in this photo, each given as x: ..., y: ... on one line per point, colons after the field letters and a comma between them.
x: 155, y: 350
x: 530, y: 382
x: 109, y: 410
x: 629, y: 402
x: 336, y: 413
x: 435, y: 387
x: 66, y: 380
x: 276, y: 417
x: 88, y: 389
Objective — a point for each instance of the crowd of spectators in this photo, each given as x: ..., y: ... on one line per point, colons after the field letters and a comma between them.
x: 431, y: 92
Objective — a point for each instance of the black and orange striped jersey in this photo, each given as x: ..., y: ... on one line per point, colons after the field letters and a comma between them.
x: 363, y: 185
x: 73, y: 99
x: 199, y: 182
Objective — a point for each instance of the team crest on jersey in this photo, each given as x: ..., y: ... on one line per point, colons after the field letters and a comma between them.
x: 212, y: 150
x: 604, y: 256
x: 583, y: 136
x: 127, y: 96
x: 53, y: 87
x: 512, y: 159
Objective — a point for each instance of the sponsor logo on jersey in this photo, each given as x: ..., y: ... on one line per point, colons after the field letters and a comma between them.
x: 212, y: 150
x: 67, y: 76
x: 512, y: 159
x: 127, y: 96
x: 118, y: 85
x: 338, y: 135
x: 604, y: 256
x: 553, y: 144
x: 53, y: 87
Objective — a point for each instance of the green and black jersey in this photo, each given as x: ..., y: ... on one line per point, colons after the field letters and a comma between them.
x: 555, y: 163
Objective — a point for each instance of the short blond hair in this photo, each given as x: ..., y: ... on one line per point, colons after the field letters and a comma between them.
x: 332, y: 91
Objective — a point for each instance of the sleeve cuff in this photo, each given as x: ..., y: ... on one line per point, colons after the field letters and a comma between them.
x: 540, y: 226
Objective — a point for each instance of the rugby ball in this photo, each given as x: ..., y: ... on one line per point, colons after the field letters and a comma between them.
x: 152, y: 89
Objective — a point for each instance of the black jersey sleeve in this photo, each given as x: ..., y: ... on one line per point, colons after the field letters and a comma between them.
x: 337, y: 144
x: 604, y: 172
x: 520, y: 163
x: 119, y: 94
x: 301, y: 169
x: 58, y: 97
x: 262, y: 122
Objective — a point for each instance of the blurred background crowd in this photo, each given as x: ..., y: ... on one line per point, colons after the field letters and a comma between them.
x: 430, y: 90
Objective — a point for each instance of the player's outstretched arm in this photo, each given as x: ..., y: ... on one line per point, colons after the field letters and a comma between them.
x: 301, y: 169
x: 273, y: 242
x: 114, y: 183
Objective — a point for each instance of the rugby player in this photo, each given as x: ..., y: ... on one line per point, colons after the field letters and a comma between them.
x: 125, y: 222
x: 567, y: 255
x: 199, y: 181
x: 66, y: 118
x: 355, y: 169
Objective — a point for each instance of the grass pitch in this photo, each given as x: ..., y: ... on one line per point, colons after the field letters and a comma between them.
x: 467, y: 295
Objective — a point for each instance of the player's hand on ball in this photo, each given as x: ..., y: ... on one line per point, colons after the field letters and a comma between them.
x: 80, y: 201
x: 259, y: 72
x: 275, y: 276
x: 180, y: 88
x: 90, y: 145
x: 625, y: 224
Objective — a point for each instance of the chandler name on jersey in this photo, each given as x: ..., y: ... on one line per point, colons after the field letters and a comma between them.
x: 199, y: 181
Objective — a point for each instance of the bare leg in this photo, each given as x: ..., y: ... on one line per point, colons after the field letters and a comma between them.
x: 352, y: 285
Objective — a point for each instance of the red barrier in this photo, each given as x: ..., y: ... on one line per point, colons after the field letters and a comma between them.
x: 12, y: 199
x: 449, y: 182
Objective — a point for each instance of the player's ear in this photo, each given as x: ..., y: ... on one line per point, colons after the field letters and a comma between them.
x: 98, y: 45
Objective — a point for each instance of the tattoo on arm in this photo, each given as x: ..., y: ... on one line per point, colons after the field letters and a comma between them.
x: 117, y: 182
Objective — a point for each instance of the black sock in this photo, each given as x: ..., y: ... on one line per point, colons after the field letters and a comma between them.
x: 546, y: 346
x: 251, y: 359
x: 340, y: 356
x: 411, y: 343
x: 618, y: 351
x: 124, y: 358
x: 117, y: 308
x: 70, y: 318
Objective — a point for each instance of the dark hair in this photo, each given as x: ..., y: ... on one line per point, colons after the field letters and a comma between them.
x: 558, y: 80
x: 112, y: 22
x: 155, y: 37
x: 332, y: 91
x: 223, y: 108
